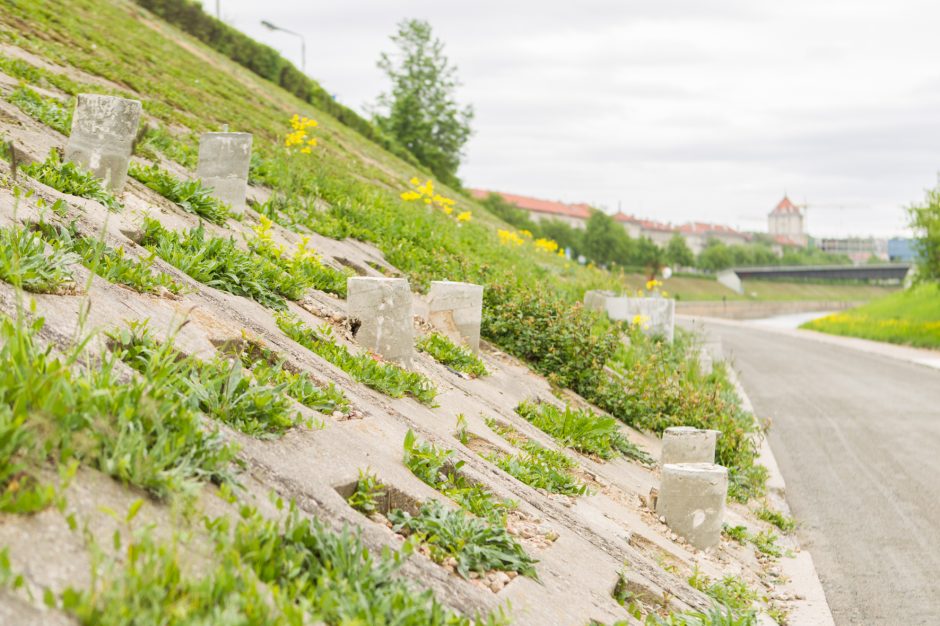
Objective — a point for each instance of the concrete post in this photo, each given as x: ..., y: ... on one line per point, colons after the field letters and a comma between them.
x: 692, y: 499
x: 102, y: 137
x: 456, y: 309
x: 224, y: 159
x: 659, y: 314
x: 684, y: 444
x: 381, y: 316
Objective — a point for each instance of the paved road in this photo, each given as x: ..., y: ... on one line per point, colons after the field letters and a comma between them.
x: 857, y: 438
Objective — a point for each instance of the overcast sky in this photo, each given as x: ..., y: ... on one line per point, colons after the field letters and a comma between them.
x: 674, y: 110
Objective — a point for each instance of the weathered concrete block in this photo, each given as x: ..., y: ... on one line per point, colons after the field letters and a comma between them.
x: 692, y: 499
x: 102, y: 137
x: 596, y: 300
x: 684, y: 444
x: 731, y: 280
x: 456, y: 309
x: 381, y: 313
x: 224, y: 159
x: 659, y: 314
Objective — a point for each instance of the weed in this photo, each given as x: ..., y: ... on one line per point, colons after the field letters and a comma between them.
x: 784, y: 522
x: 188, y: 195
x: 582, y: 430
x: 303, y: 266
x: 462, y: 433
x: 435, y: 467
x: 476, y: 544
x: 69, y: 178
x: 446, y: 352
x: 50, y: 111
x: 268, y: 369
x: 541, y: 468
x: 738, y: 533
x: 131, y: 429
x: 219, y: 387
x: 109, y: 263
x: 384, y: 377
x: 367, y: 494
x: 24, y: 262
x: 730, y: 591
x: 766, y: 541
x: 716, y: 616
x: 25, y: 72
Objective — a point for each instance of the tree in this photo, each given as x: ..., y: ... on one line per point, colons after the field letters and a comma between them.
x: 421, y: 112
x: 678, y: 252
x: 715, y: 257
x: 603, y: 240
x: 925, y: 221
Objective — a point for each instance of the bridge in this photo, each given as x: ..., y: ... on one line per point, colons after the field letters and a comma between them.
x: 879, y: 273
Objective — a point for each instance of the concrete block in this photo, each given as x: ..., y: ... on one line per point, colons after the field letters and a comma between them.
x: 456, y: 309
x: 380, y: 310
x: 102, y: 137
x: 596, y: 300
x: 692, y: 499
x: 684, y: 444
x: 224, y: 159
x: 731, y: 280
x: 659, y: 314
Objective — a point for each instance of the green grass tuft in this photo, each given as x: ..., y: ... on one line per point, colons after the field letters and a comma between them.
x: 69, y: 178
x: 446, y: 352
x: 50, y: 111
x: 387, y: 378
x: 189, y: 195
x: 25, y: 262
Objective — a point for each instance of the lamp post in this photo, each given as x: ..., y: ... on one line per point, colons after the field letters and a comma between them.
x: 303, y: 43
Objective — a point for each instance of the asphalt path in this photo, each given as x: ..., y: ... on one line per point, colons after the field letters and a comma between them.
x: 857, y: 438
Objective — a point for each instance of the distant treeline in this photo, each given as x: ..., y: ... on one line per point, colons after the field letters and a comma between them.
x: 267, y: 63
x: 605, y: 242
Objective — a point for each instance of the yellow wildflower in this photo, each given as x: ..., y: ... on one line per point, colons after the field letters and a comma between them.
x: 545, y: 244
x: 466, y: 216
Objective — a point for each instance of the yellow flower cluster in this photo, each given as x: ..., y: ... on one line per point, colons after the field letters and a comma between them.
x: 266, y: 244
x: 652, y: 284
x: 298, y: 135
x: 545, y: 244
x: 426, y: 193
x: 641, y: 320
x: 509, y: 237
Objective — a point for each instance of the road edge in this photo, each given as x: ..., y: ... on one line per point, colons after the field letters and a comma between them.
x: 807, y: 603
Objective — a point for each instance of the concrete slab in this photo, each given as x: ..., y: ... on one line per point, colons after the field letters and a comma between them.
x: 102, y: 137
x: 456, y: 309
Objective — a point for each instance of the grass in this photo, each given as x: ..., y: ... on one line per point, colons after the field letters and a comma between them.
x: 476, y: 544
x: 269, y: 369
x: 715, y: 616
x: 50, y: 111
x: 157, y: 140
x: 784, y: 522
x: 446, y: 352
x: 540, y: 468
x: 386, y: 378
x: 687, y: 287
x: 436, y: 467
x: 189, y: 195
x: 367, y: 494
x: 765, y: 541
x: 261, y: 572
x: 730, y: 591
x: 220, y: 264
x: 26, y: 263
x: 581, y: 430
x: 69, y: 178
x: 77, y: 407
x: 219, y: 387
x: 910, y: 317
x: 111, y: 264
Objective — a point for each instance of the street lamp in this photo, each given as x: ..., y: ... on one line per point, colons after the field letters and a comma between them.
x: 303, y: 44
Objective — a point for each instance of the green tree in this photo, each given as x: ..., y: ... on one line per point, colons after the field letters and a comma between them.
x: 716, y: 256
x: 678, y: 252
x: 925, y: 221
x: 420, y: 111
x: 605, y: 241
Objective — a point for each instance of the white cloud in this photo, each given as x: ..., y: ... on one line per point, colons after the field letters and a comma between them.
x: 677, y: 110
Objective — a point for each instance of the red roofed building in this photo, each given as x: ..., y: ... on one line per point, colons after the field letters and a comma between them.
x: 575, y: 215
x: 659, y: 233
x: 697, y: 235
x: 786, y: 220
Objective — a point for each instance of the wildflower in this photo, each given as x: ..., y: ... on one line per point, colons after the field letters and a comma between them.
x: 509, y: 237
x: 546, y: 244
x: 652, y: 284
x: 525, y: 234
x: 298, y: 135
x: 640, y: 320
x: 466, y: 216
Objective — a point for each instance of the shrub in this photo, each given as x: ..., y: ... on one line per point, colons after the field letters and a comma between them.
x: 188, y: 195
x: 24, y: 262
x: 69, y: 178
x: 446, y: 352
x: 387, y: 378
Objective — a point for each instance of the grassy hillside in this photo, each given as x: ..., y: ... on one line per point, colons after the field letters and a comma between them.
x: 687, y: 287
x: 909, y: 317
x: 345, y: 188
